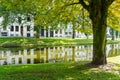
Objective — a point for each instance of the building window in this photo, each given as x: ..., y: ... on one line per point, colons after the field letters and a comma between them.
x: 66, y: 33
x: 3, y: 33
x: 60, y: 31
x: 28, y: 34
x: 12, y: 28
x: 28, y: 18
x: 56, y: 36
x: 17, y: 34
x: 21, y: 30
x: 56, y: 32
x: 11, y: 34
x: 13, y: 60
x: 16, y: 28
x: 70, y: 32
x: 42, y: 32
x: 20, y: 60
x: 28, y: 28
x: 28, y: 61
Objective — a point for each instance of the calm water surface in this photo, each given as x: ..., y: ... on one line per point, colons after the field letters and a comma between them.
x: 53, y: 54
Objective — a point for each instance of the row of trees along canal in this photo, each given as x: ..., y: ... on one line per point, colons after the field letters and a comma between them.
x: 89, y: 16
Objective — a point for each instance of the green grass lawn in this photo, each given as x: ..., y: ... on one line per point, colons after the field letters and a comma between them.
x: 46, y: 41
x: 57, y: 71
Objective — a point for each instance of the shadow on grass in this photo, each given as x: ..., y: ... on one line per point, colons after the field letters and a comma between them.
x: 56, y: 71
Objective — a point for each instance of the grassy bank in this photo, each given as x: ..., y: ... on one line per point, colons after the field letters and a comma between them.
x: 45, y: 41
x: 59, y: 71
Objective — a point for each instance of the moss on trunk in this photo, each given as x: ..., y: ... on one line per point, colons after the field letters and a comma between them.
x: 98, y: 15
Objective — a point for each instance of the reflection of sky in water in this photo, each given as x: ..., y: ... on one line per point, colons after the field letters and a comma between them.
x: 52, y: 54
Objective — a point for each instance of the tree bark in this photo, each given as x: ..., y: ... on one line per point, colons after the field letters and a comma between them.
x: 98, y: 15
x: 73, y: 53
x: 99, y: 44
x: 73, y: 30
x: 113, y: 34
x: 73, y: 34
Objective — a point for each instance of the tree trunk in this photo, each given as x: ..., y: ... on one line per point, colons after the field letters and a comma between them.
x: 73, y: 53
x: 113, y: 34
x: 98, y: 15
x: 73, y: 34
x: 98, y: 10
x: 73, y: 30
x: 99, y: 44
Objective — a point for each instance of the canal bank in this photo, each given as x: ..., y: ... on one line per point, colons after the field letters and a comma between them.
x: 30, y: 42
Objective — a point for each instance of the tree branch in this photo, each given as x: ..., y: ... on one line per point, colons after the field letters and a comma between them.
x: 72, y: 4
x: 80, y: 2
x: 84, y: 4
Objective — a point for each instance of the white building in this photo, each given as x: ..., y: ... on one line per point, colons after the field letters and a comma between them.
x: 23, y: 29
x: 66, y: 32
x: 26, y: 29
x: 61, y: 32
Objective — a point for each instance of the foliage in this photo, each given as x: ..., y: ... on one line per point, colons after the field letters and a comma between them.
x: 47, y: 13
x: 114, y: 17
x: 52, y: 12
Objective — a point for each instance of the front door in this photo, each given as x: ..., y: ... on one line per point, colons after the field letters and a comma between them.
x: 21, y: 30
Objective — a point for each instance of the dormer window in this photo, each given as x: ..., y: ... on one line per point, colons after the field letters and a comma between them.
x: 19, y: 20
x: 28, y: 28
x: 28, y: 18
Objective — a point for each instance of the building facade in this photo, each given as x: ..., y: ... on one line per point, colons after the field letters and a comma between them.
x: 25, y: 28
x: 62, y: 32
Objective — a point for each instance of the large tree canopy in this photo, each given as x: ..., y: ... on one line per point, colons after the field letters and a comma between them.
x: 81, y: 13
x: 51, y: 12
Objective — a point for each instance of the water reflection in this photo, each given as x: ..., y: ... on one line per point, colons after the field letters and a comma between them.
x: 52, y: 54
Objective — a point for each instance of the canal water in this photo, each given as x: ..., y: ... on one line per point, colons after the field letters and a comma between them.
x: 54, y: 54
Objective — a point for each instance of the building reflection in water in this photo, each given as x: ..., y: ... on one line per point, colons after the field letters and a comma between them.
x: 52, y: 54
